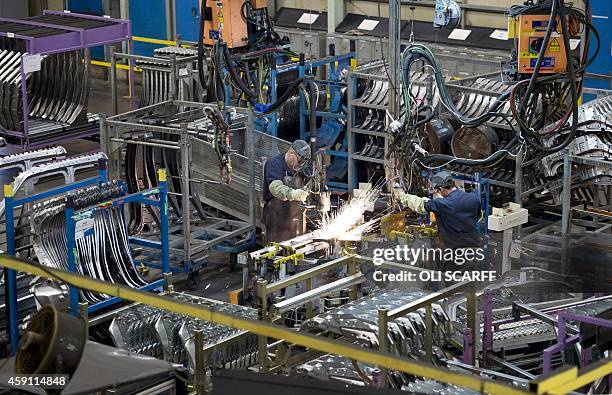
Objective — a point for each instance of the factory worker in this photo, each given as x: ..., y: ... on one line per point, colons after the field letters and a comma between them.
x: 283, y: 193
x: 457, y: 212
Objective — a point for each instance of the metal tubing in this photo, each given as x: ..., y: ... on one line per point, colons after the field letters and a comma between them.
x: 262, y: 341
x: 71, y: 251
x: 251, y: 156
x: 383, y: 346
x: 132, y: 77
x: 24, y: 103
x: 471, y: 320
x: 163, y: 218
x: 424, y: 301
x: 468, y: 344
x: 309, y: 305
x: 487, y: 336
x: 125, y: 141
x: 200, y: 370
x: 11, y: 283
x: 428, y: 334
x: 566, y: 197
x: 113, y: 77
x: 173, y: 78
x: 310, y: 273
x: 186, y: 191
x: 309, y: 296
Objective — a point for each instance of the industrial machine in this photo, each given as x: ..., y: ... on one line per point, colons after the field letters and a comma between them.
x: 327, y: 304
x: 237, y: 23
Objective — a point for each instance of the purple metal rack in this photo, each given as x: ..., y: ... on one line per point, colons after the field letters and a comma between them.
x: 63, y: 38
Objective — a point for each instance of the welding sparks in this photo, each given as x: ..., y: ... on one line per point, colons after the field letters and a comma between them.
x: 348, y: 215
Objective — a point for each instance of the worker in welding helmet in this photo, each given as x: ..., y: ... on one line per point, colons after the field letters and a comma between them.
x: 283, y: 192
x: 457, y: 212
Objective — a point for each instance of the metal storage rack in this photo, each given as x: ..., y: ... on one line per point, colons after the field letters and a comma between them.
x: 72, y: 217
x: 52, y: 33
x: 456, y: 61
x: 367, y: 72
x: 190, y: 241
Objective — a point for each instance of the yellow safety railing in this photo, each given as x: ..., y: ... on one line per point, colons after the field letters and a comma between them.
x: 560, y: 383
x: 267, y: 329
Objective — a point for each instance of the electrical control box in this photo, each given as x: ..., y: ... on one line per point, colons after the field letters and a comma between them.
x: 531, y: 32
x: 228, y: 19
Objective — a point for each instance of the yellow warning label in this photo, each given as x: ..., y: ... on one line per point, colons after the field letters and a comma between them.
x: 529, y: 55
x: 554, y: 45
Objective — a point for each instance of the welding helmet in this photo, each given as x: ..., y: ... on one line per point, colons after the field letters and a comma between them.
x: 302, y: 150
x: 442, y: 179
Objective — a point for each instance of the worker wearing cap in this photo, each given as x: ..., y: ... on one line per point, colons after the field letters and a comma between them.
x: 457, y: 212
x: 283, y: 192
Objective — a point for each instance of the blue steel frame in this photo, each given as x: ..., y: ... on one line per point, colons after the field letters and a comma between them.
x: 71, y: 218
x: 335, y: 64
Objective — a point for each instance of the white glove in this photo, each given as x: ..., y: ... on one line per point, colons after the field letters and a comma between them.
x: 415, y: 203
x: 398, y: 194
x: 299, y: 195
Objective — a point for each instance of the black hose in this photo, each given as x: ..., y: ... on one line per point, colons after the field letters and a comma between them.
x: 201, y: 49
x: 538, y: 65
x: 289, y: 92
x: 251, y: 96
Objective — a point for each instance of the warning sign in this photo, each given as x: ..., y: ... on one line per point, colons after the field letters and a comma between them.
x: 554, y: 45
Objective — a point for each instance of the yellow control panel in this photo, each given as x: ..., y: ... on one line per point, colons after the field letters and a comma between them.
x: 531, y: 32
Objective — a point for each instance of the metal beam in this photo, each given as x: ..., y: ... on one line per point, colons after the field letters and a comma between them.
x: 335, y: 14
x: 267, y: 329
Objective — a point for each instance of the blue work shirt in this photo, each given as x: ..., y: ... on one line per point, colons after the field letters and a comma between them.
x: 457, y: 215
x: 275, y: 169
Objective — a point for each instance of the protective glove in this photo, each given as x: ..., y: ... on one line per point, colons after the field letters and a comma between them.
x: 299, y: 195
x: 413, y: 202
x: 398, y: 194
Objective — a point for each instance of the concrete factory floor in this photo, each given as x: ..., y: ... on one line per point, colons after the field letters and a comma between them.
x: 215, y: 279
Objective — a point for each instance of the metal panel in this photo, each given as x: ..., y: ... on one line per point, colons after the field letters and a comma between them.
x: 13, y: 9
x: 148, y: 20
x: 187, y: 19
x: 233, y: 198
x: 311, y: 43
x: 602, y: 19
x: 89, y: 7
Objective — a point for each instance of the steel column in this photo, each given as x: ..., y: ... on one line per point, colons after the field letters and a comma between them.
x: 567, y: 193
x: 251, y: 156
x: 383, y: 344
x: 10, y: 287
x: 200, y: 371
x: 185, y: 196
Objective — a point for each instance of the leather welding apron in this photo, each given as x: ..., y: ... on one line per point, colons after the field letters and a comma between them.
x: 284, y: 220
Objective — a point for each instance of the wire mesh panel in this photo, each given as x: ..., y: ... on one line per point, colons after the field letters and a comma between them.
x: 233, y: 198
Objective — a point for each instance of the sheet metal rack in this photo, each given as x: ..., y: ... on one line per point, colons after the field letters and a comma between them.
x: 190, y: 241
x: 366, y: 72
x: 72, y: 217
x: 178, y: 68
x: 57, y: 32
